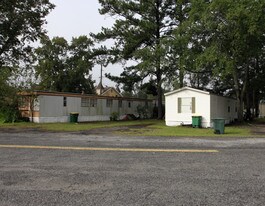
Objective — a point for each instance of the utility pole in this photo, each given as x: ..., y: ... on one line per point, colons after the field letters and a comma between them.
x: 101, y: 68
x: 100, y: 88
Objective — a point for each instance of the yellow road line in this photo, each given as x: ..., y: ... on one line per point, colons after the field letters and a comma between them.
x: 109, y: 149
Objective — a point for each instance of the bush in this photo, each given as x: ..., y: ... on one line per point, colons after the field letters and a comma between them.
x: 114, y: 116
x: 142, y: 112
x: 2, y: 119
x: 10, y: 113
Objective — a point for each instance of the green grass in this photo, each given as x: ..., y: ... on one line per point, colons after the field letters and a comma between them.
x: 71, y: 127
x: 1, y: 120
x: 160, y: 129
x: 146, y: 128
x: 195, y: 132
x: 259, y: 121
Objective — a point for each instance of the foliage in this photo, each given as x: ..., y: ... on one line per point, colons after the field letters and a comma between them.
x: 227, y: 38
x: 21, y: 23
x: 114, y: 116
x: 140, y: 33
x: 149, y: 88
x: 142, y: 111
x: 65, y: 67
x: 10, y: 112
x: 127, y: 78
x: 8, y: 101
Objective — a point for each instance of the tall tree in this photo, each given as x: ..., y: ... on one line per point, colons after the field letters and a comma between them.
x: 8, y: 98
x: 230, y: 35
x: 140, y: 33
x: 20, y: 23
x: 65, y: 68
x: 80, y: 64
x: 127, y: 79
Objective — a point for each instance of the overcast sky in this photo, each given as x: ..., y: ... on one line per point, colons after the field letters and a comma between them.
x: 72, y: 18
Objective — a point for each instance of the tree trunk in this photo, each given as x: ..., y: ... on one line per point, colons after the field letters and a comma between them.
x: 158, y: 63
x: 159, y: 103
x: 31, y: 107
x: 240, y: 109
x: 159, y: 93
x: 248, y: 106
x: 240, y: 92
x: 181, y: 77
x: 254, y: 110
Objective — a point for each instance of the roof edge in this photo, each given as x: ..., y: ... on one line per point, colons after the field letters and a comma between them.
x: 109, y: 89
x: 69, y: 94
x: 186, y: 88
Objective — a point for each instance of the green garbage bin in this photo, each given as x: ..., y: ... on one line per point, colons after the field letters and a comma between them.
x: 74, y: 117
x: 219, y: 125
x: 197, y: 121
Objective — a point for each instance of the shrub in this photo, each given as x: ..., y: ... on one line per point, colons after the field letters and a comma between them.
x: 114, y: 116
x: 142, y: 112
x: 10, y: 113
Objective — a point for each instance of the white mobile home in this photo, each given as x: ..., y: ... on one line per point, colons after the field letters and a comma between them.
x: 186, y: 102
x: 43, y: 107
x: 262, y: 109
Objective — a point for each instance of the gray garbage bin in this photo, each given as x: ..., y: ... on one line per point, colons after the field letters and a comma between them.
x: 219, y: 125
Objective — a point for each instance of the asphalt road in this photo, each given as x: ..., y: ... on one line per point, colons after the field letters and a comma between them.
x: 77, y: 169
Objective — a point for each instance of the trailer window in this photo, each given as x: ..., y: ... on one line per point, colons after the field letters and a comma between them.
x: 120, y: 103
x: 84, y: 102
x: 109, y: 103
x: 186, y: 105
x: 93, y: 102
x: 64, y: 101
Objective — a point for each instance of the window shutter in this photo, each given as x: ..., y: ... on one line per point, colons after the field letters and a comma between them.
x: 179, y: 105
x: 193, y: 105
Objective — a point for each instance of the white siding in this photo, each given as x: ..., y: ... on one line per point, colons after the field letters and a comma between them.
x: 222, y: 107
x: 202, y: 108
x: 206, y: 105
x: 262, y: 109
x: 52, y: 109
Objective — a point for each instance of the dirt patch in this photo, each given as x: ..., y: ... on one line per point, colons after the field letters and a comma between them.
x: 113, y: 130
x: 258, y: 129
x: 96, y: 131
x: 21, y: 130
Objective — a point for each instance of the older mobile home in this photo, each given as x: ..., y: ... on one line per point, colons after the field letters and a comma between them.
x: 43, y: 107
x: 186, y: 102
